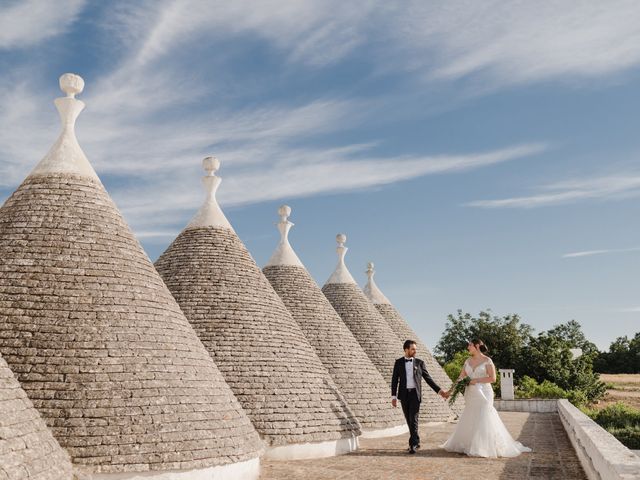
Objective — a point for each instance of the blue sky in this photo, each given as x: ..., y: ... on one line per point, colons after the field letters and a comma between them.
x: 482, y: 154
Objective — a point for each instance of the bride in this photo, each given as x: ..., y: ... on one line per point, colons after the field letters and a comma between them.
x: 480, y: 431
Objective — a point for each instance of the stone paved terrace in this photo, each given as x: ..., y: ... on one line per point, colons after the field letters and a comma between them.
x: 385, y: 459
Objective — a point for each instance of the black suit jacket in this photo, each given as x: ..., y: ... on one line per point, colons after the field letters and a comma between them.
x: 400, y: 379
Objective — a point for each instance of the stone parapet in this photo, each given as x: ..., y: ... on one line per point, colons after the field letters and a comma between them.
x: 602, y: 456
x: 531, y: 405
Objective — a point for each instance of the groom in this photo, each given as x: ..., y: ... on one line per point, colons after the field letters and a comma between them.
x: 408, y: 372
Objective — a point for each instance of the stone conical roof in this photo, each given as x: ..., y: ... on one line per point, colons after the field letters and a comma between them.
x: 27, y: 447
x: 372, y: 331
x: 361, y: 383
x: 97, y: 341
x: 405, y: 332
x: 260, y: 349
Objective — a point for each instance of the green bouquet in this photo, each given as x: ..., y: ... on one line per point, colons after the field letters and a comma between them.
x: 458, y: 388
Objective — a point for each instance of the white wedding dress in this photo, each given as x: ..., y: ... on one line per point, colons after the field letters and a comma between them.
x: 480, y: 431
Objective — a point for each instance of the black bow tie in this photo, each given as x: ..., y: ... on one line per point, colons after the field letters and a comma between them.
x: 408, y: 359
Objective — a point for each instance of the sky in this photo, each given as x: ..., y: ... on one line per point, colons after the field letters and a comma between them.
x: 484, y: 155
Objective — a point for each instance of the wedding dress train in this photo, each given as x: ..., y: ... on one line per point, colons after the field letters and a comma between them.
x: 480, y: 431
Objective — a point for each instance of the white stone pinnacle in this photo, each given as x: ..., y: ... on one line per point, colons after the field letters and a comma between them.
x: 341, y: 273
x: 66, y: 156
x: 284, y: 254
x: 71, y: 84
x: 371, y: 290
x: 210, y: 214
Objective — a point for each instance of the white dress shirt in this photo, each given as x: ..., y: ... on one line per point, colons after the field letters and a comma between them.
x: 408, y: 368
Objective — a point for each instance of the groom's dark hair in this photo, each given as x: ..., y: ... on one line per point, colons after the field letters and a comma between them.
x: 408, y: 343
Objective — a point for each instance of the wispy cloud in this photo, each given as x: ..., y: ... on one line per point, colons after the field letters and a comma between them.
x: 295, y: 174
x: 313, y: 32
x: 151, y: 117
x: 138, y: 136
x: 506, y: 43
x: 499, y: 43
x: 29, y: 22
x: 571, y: 191
x: 588, y: 253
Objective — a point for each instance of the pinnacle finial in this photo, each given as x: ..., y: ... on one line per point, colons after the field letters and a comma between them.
x: 211, y: 165
x: 371, y: 290
x: 284, y: 254
x: 370, y: 269
x: 341, y: 273
x: 71, y: 84
x: 284, y: 211
x: 210, y: 214
x: 66, y: 155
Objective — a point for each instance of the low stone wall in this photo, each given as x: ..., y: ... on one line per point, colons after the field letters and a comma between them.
x: 601, y: 455
x: 531, y: 405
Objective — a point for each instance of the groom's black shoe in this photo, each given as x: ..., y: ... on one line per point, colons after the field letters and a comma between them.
x: 412, y: 449
x: 418, y: 447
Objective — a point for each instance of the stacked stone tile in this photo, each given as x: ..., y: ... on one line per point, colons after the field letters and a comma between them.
x: 362, y: 385
x: 405, y: 332
x: 97, y: 341
x: 372, y: 331
x: 27, y: 447
x: 260, y: 349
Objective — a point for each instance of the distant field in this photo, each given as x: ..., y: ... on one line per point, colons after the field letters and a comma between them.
x: 626, y: 388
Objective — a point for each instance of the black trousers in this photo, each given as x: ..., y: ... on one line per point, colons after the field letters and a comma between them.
x: 411, y: 410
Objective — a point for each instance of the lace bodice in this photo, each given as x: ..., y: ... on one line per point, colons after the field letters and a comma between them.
x: 480, y: 371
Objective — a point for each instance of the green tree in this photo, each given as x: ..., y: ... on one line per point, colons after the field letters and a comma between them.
x: 548, y: 357
x: 571, y: 334
x: 623, y: 356
x: 504, y: 336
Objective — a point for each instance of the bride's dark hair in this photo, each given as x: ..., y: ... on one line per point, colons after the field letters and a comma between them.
x: 479, y: 344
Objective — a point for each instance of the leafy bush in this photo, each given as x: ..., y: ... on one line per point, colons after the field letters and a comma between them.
x: 620, y: 420
x: 529, y: 388
x: 617, y: 415
x: 629, y: 437
x: 577, y: 397
x: 454, y: 367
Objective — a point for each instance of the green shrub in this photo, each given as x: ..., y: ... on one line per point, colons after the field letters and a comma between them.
x: 620, y: 420
x: 454, y: 367
x: 577, y: 397
x: 629, y: 437
x: 496, y: 384
x: 617, y: 415
x: 529, y: 388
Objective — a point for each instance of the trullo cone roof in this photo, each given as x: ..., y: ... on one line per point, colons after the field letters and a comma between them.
x: 372, y: 331
x: 27, y: 447
x: 405, y: 332
x: 95, y: 338
x: 358, y: 379
x: 260, y: 349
